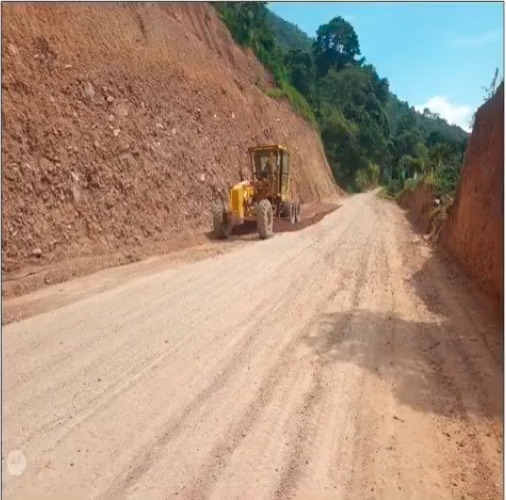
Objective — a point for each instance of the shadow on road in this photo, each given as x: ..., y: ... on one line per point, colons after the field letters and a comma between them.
x: 450, y: 362
x: 447, y: 291
x: 249, y: 228
x: 433, y: 367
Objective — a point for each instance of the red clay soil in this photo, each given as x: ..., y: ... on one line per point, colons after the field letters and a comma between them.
x: 121, y: 124
x: 474, y: 231
x: 188, y: 246
x: 419, y: 204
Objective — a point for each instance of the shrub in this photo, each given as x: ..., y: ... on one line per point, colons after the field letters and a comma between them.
x: 394, y: 187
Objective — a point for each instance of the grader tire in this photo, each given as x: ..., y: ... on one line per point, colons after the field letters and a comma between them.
x: 265, y: 219
x: 221, y: 225
x: 285, y: 209
x: 288, y: 211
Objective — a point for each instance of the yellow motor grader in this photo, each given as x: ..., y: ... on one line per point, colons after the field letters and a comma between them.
x: 264, y: 196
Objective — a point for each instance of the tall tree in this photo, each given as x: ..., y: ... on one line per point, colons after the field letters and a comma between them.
x: 336, y: 45
x: 301, y: 70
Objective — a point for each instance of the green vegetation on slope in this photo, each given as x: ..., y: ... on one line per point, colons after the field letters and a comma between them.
x: 369, y: 135
x: 287, y: 35
x: 249, y: 26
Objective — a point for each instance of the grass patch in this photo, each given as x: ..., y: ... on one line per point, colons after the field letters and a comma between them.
x: 385, y: 195
x: 296, y: 99
x: 276, y: 93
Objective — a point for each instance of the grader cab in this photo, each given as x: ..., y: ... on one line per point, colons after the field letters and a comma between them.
x: 263, y: 197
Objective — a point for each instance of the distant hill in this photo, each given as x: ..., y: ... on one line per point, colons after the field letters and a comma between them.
x: 427, y: 123
x: 287, y: 35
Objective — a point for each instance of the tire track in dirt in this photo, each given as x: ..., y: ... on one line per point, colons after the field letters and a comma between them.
x: 371, y: 430
x: 285, y: 383
x: 279, y: 372
x: 239, y: 358
x: 309, y: 425
x: 366, y: 418
x: 357, y: 429
x: 105, y: 397
x: 76, y: 423
x: 459, y: 409
x: 222, y: 451
x: 135, y: 374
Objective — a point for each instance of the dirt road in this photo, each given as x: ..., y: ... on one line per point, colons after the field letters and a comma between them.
x: 341, y: 361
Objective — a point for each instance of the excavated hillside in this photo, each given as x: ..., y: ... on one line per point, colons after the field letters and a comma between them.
x: 472, y: 228
x: 121, y: 123
x: 474, y: 231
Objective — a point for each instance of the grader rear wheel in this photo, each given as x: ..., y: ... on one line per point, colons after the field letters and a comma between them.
x: 265, y: 219
x: 222, y: 224
x: 288, y: 210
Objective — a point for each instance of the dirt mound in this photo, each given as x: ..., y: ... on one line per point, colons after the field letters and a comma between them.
x: 474, y: 230
x: 419, y: 204
x: 121, y: 123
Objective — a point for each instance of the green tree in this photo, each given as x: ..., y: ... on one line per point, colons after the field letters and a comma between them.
x: 339, y: 137
x: 368, y: 133
x: 422, y: 157
x: 336, y: 45
x: 302, y: 71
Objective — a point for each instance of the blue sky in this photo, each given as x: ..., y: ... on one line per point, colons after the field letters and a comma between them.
x: 438, y: 55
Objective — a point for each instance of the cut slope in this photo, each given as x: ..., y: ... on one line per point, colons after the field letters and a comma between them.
x: 122, y: 122
x: 474, y: 230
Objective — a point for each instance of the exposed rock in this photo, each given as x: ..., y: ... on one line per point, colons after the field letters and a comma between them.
x: 89, y: 91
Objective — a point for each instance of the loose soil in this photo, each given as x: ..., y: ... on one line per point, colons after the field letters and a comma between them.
x: 342, y: 361
x: 33, y: 277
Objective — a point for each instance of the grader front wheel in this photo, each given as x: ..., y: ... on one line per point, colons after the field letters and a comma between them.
x: 265, y: 219
x: 222, y: 225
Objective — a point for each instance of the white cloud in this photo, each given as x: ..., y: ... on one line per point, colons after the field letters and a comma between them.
x: 477, y: 41
x: 455, y: 115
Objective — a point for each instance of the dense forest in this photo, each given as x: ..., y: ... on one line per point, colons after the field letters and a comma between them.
x: 370, y: 136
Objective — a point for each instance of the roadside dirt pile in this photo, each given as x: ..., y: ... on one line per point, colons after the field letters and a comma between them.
x: 473, y: 232
x: 419, y: 203
x: 122, y: 122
